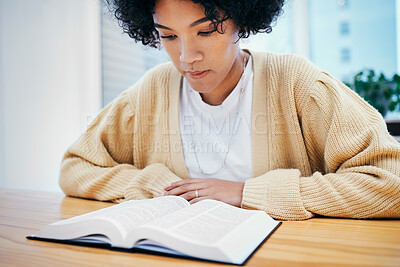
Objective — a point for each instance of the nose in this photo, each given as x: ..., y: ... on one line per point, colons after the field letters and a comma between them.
x: 190, y: 52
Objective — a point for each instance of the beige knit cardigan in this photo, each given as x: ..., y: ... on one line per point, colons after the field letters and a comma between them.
x: 318, y: 148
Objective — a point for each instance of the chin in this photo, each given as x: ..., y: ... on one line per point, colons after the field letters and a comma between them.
x: 201, y: 86
x: 201, y: 89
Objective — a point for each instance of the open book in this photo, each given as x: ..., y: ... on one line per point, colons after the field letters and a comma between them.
x: 208, y: 230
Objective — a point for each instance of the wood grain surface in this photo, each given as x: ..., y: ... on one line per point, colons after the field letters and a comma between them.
x: 315, y: 242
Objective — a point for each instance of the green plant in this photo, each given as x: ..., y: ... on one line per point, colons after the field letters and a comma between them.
x: 382, y: 93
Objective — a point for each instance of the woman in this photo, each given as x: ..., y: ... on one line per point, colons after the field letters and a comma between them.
x: 270, y: 132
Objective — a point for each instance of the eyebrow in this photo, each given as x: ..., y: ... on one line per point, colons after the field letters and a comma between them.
x: 195, y: 23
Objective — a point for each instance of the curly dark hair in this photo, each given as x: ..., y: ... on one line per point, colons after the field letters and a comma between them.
x: 250, y: 16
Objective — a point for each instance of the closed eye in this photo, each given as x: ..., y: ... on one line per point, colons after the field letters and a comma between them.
x: 168, y: 37
x: 207, y: 33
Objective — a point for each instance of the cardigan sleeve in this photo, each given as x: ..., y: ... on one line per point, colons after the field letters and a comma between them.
x: 100, y: 164
x: 356, y: 162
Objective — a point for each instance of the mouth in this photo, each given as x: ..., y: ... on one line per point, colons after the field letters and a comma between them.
x: 195, y: 75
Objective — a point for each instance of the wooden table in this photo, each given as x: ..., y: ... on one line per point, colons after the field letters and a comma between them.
x: 319, y: 241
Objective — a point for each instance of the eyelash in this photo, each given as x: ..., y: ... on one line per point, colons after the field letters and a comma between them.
x: 207, y: 33
x: 168, y: 37
x: 173, y: 37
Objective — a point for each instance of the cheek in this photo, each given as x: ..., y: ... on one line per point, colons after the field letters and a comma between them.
x: 226, y: 47
x: 226, y: 52
x: 173, y: 53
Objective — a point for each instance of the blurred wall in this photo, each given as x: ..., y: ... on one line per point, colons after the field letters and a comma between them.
x: 50, y: 83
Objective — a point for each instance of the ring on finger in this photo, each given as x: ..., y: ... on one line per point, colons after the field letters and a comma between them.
x: 196, y: 193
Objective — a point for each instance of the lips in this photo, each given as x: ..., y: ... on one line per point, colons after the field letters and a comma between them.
x: 195, y: 75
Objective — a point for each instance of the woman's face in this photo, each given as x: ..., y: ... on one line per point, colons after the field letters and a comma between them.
x: 210, y: 61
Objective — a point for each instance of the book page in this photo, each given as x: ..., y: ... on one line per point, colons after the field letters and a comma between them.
x: 130, y: 214
x: 205, y: 222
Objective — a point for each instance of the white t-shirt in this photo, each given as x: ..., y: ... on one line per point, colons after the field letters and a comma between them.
x: 207, y: 130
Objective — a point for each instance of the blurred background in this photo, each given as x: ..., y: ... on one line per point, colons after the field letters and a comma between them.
x: 61, y: 61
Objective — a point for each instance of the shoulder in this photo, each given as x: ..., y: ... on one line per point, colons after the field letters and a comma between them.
x: 293, y: 68
x: 292, y: 77
x: 162, y: 71
x: 286, y: 77
x: 155, y: 79
x: 156, y: 76
x: 154, y: 83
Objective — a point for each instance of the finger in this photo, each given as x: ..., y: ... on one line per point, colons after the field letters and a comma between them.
x: 189, y: 195
x: 197, y: 199
x: 182, y: 182
x: 183, y: 189
x: 177, y: 184
x: 192, y: 194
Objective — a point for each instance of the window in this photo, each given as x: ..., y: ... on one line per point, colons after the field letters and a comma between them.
x: 345, y: 55
x: 344, y: 28
x: 123, y: 61
x: 347, y: 37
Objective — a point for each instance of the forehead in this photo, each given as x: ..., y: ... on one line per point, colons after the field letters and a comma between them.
x: 177, y: 11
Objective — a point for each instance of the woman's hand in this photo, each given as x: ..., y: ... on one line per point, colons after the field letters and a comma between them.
x: 210, y: 188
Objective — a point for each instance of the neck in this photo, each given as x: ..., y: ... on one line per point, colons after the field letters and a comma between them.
x: 218, y: 95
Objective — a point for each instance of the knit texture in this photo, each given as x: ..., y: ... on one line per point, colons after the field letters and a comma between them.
x: 318, y: 148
